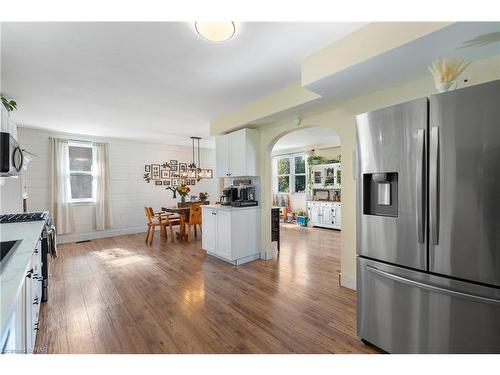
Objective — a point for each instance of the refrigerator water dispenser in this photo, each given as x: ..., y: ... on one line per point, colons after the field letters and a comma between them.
x: 380, y: 194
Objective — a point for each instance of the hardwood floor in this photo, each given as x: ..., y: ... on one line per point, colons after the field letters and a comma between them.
x: 118, y: 295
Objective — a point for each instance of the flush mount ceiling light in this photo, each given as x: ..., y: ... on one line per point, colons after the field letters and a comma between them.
x: 215, y: 31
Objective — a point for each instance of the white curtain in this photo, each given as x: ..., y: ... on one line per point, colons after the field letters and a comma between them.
x: 102, y: 191
x: 60, y: 196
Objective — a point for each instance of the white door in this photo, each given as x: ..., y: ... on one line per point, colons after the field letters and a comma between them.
x: 338, y: 215
x: 315, y: 213
x: 327, y: 214
x: 238, y: 150
x: 222, y: 162
x: 209, y: 233
x: 223, y: 247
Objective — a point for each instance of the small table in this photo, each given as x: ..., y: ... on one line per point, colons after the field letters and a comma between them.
x: 183, y: 218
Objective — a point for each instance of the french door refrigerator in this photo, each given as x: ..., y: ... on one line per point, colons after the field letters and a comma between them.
x: 428, y: 223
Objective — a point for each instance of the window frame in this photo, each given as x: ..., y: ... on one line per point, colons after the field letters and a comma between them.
x: 292, y: 175
x: 293, y: 156
x: 74, y: 143
x: 278, y: 158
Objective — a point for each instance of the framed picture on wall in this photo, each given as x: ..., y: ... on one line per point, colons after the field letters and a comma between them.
x: 147, y: 168
x: 166, y: 182
x: 188, y: 182
x: 175, y: 182
x: 155, y: 171
x: 183, y: 167
x: 173, y: 162
x: 164, y: 174
x: 193, y: 181
x: 158, y: 183
x: 173, y: 168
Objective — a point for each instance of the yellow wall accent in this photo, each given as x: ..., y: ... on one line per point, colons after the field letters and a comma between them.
x: 282, y: 100
x: 375, y: 39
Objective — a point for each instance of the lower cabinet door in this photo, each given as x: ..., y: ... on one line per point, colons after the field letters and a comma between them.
x: 223, y: 248
x: 338, y: 215
x: 209, y: 233
x: 327, y: 215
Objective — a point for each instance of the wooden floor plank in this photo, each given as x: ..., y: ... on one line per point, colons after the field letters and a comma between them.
x: 119, y: 295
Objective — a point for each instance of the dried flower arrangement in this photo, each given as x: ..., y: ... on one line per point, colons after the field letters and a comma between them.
x: 446, y: 71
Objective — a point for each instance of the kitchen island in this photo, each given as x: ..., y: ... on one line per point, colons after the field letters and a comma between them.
x: 231, y: 233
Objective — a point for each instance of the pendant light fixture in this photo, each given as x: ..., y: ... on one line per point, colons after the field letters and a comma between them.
x: 195, y: 169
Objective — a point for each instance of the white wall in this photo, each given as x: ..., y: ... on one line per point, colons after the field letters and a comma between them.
x: 11, y: 200
x: 129, y: 192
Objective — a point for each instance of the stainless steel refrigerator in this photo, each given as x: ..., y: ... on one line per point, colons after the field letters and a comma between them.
x: 428, y: 223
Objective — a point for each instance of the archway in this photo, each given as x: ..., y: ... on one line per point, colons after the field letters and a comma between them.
x: 343, y: 123
x: 304, y: 179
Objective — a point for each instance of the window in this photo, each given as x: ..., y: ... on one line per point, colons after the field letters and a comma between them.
x: 291, y: 174
x: 80, y: 171
x: 299, y: 173
x: 284, y: 174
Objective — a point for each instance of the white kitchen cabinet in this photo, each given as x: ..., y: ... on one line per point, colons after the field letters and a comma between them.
x: 324, y: 214
x: 224, y: 231
x: 231, y: 233
x: 209, y: 229
x: 21, y: 331
x: 236, y: 153
x: 222, y: 156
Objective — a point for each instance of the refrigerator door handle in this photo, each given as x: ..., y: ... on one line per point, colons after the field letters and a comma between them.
x: 449, y: 292
x: 434, y: 184
x: 420, y: 184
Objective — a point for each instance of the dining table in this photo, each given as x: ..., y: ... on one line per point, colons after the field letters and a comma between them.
x: 183, y: 211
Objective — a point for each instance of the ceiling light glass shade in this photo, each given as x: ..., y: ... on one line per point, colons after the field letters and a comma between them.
x: 216, y: 31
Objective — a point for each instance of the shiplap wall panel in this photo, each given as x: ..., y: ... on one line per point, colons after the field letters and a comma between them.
x: 129, y: 192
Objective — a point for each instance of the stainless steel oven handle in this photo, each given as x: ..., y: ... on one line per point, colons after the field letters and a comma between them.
x: 450, y: 292
x: 420, y: 180
x: 434, y: 185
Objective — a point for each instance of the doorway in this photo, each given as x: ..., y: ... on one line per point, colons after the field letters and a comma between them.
x: 307, y: 190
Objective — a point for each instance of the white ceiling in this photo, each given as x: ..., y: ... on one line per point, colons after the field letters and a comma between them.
x: 148, y: 81
x: 307, y: 137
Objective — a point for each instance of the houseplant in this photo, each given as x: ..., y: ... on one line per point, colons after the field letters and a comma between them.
x: 183, y: 191
x: 8, y: 104
x: 203, y: 196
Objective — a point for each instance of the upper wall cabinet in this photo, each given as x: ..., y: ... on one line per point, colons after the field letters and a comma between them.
x: 236, y: 153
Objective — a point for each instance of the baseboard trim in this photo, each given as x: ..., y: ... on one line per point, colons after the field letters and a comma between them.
x: 74, y: 237
x: 348, y: 282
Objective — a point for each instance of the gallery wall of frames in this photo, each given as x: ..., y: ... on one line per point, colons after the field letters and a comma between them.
x: 173, y: 173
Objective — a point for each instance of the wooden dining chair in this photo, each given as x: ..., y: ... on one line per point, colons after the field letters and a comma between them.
x: 194, y: 220
x: 159, y: 219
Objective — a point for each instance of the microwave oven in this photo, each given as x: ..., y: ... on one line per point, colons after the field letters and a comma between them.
x: 11, y: 156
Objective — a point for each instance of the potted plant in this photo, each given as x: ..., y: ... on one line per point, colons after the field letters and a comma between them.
x: 183, y: 191
x: 203, y: 196
x: 8, y: 104
x: 445, y: 73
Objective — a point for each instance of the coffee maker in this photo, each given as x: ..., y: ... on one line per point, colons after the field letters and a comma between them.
x: 229, y: 195
x: 246, y: 196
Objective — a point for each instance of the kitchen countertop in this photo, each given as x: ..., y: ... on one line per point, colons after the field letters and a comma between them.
x: 229, y: 208
x: 14, y: 273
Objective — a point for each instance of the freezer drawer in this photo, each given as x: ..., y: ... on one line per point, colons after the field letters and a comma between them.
x: 405, y: 311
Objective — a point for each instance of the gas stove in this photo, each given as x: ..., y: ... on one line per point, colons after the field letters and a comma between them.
x: 26, y: 216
